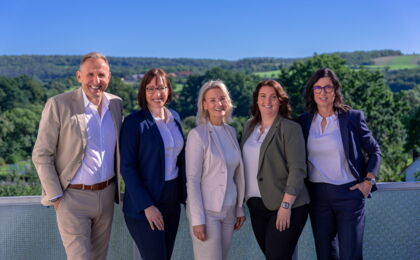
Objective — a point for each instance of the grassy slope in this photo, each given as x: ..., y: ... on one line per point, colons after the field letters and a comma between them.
x: 397, y: 62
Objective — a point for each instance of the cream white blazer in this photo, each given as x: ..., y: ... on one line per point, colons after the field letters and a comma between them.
x: 207, y: 173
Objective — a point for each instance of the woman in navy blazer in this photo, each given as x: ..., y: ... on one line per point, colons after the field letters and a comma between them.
x: 339, y: 176
x: 153, y: 168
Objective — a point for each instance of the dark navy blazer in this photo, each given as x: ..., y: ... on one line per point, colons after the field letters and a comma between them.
x: 143, y: 163
x: 356, y: 137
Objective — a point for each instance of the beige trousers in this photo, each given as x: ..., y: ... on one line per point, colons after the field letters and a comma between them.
x: 84, y: 220
x: 219, y: 232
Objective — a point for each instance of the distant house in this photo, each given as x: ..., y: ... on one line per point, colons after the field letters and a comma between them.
x: 412, y: 172
x: 184, y: 73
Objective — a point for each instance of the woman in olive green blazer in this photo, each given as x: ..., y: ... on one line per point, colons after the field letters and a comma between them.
x: 273, y: 150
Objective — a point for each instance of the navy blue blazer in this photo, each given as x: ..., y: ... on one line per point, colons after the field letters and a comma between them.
x: 143, y: 163
x: 356, y: 137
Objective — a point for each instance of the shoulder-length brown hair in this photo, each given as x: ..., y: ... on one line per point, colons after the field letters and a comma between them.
x: 285, y: 109
x: 338, y: 104
x: 156, y: 72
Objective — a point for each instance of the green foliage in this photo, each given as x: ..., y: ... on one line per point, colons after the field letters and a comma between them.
x: 413, y: 131
x: 18, y: 183
x: 19, y: 132
x: 239, y: 85
x: 187, y: 124
x: 402, y: 79
x: 48, y: 68
x: 126, y: 91
x: 19, y: 91
x: 238, y: 123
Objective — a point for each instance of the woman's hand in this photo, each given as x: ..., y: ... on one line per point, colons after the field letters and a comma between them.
x: 239, y: 222
x: 155, y: 218
x: 364, y: 188
x: 199, y: 232
x: 283, y: 218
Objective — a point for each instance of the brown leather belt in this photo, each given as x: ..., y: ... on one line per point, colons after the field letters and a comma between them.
x: 97, y: 186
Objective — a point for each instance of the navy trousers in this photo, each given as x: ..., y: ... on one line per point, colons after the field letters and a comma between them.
x: 155, y: 244
x: 338, y: 219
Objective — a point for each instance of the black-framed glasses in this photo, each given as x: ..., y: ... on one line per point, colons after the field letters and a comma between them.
x: 327, y: 89
x: 154, y: 89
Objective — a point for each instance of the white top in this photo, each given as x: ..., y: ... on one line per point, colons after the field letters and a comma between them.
x: 327, y: 161
x: 251, y: 156
x: 232, y: 158
x: 98, y: 161
x: 173, y: 142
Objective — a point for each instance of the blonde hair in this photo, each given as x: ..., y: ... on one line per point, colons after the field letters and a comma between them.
x: 202, y: 116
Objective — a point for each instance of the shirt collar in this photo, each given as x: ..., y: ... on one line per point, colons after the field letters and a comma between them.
x: 168, y: 114
x: 333, y: 117
x: 105, y: 101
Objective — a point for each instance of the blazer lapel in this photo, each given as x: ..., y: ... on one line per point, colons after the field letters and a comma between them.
x: 307, y: 122
x: 247, y: 132
x: 343, y: 123
x: 79, y: 111
x: 116, y: 118
x: 155, y: 130
x: 267, y: 140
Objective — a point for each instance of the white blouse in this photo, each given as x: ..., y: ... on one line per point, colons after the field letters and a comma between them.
x: 251, y: 156
x: 327, y: 161
x: 173, y: 142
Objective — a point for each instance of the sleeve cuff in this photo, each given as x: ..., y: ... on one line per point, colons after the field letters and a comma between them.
x: 55, y: 198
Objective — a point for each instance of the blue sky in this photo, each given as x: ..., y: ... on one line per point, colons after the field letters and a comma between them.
x: 217, y: 29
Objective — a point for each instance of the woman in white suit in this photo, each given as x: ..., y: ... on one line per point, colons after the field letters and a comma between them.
x: 215, y: 175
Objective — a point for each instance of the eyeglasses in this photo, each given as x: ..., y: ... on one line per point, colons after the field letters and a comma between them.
x: 152, y: 90
x: 327, y: 89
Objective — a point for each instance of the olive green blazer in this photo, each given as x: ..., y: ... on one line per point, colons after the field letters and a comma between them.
x: 282, y: 163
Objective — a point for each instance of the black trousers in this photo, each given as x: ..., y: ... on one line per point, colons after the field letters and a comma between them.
x: 338, y: 220
x: 155, y: 244
x: 273, y: 243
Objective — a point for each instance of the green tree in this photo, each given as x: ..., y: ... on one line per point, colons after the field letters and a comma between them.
x: 239, y: 85
x: 19, y: 135
x: 126, y: 91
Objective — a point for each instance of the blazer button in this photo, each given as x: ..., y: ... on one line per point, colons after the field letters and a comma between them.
x: 260, y: 179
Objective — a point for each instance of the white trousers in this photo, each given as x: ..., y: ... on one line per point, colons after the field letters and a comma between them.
x: 219, y: 232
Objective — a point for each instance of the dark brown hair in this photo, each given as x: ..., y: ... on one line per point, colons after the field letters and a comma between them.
x: 151, y: 74
x: 309, y: 93
x: 285, y: 109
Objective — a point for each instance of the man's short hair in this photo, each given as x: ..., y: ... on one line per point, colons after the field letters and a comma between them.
x: 93, y: 55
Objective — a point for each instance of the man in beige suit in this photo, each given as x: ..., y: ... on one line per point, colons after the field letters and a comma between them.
x: 77, y: 159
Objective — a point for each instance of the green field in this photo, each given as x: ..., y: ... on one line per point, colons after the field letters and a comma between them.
x: 268, y: 74
x: 397, y: 62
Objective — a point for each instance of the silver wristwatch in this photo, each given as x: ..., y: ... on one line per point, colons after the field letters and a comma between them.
x: 371, y: 180
x: 285, y: 205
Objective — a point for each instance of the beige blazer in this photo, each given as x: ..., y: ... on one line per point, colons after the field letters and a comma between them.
x: 61, y: 141
x: 281, y: 163
x: 207, y: 173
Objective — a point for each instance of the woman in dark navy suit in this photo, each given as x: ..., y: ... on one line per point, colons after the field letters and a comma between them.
x: 153, y: 168
x: 339, y: 177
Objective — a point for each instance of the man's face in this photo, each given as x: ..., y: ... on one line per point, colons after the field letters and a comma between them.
x: 94, y: 76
